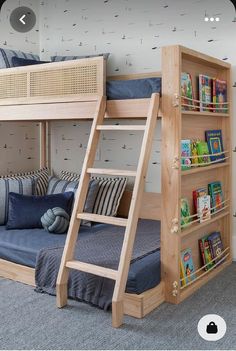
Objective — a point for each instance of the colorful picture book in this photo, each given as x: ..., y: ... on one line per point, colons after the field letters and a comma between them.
x: 216, y: 194
x: 211, y: 248
x: 187, y: 267
x: 185, y: 153
x: 185, y: 212
x: 206, y: 252
x: 202, y: 150
x: 194, y: 159
x: 187, y: 91
x: 196, y: 194
x: 216, y: 246
x: 215, y: 144
x: 205, y: 93
x: 204, y: 208
x: 219, y: 95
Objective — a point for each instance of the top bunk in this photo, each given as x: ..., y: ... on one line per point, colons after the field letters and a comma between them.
x: 70, y: 90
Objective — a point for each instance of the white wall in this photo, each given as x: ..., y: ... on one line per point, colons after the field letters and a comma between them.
x: 18, y: 141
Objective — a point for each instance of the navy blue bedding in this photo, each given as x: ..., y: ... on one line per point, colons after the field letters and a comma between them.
x: 133, y: 89
x: 24, y: 247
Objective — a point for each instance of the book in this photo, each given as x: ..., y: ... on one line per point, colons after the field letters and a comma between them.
x: 216, y: 246
x: 186, y: 153
x: 205, y: 93
x: 215, y: 143
x: 185, y: 212
x: 196, y: 194
x: 206, y: 252
x: 194, y: 159
x: 204, y: 208
x: 202, y: 150
x: 187, y: 91
x: 187, y: 266
x: 219, y: 92
x: 182, y: 277
x: 216, y: 194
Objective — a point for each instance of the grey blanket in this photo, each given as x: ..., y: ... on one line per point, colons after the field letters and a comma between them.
x: 102, y: 248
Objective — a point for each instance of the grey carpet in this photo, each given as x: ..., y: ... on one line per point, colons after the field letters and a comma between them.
x: 31, y: 321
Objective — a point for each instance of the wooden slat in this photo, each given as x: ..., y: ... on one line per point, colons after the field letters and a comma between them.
x: 113, y: 172
x: 121, y: 222
x: 93, y: 269
x: 122, y: 128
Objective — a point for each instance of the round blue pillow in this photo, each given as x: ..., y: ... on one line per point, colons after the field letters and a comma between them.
x: 55, y: 220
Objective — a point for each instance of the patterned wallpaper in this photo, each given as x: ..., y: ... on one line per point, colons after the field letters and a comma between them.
x: 18, y: 141
x: 132, y: 31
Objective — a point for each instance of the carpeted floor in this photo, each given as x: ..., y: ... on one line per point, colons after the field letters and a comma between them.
x: 31, y: 321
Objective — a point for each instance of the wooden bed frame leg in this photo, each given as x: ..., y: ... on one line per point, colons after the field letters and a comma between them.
x: 117, y: 313
x: 62, y: 289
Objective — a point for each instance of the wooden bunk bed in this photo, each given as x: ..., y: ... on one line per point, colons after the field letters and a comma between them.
x: 70, y: 90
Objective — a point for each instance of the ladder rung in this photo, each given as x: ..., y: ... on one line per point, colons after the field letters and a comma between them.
x: 113, y: 172
x: 121, y: 222
x: 118, y: 127
x: 93, y: 269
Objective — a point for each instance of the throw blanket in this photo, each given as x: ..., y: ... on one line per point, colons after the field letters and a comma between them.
x: 102, y: 248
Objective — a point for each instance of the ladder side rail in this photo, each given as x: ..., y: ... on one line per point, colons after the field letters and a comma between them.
x: 130, y: 233
x: 79, y: 203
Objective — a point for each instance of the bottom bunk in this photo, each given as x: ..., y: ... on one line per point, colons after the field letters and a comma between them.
x: 33, y: 257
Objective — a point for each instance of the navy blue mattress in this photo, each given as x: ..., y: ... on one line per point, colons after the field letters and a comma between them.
x: 23, y: 246
x: 133, y: 89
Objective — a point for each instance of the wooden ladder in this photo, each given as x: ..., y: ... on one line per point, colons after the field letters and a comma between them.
x: 67, y: 262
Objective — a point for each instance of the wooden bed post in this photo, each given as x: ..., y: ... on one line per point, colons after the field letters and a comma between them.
x: 171, y: 168
x: 43, y: 132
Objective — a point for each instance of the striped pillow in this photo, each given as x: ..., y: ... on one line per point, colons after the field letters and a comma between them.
x: 68, y: 58
x: 109, y: 194
x: 20, y: 186
x: 57, y: 186
x: 42, y: 176
x: 7, y: 55
x: 69, y: 176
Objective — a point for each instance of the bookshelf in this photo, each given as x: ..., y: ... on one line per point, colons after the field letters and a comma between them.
x: 178, y: 124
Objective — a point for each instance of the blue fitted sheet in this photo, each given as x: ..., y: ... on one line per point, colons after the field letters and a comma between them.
x: 23, y: 247
x: 133, y: 89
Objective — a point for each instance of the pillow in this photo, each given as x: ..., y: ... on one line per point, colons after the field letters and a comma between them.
x: 25, y: 212
x: 19, y: 62
x: 42, y: 176
x: 132, y: 89
x: 109, y: 195
x: 59, y: 186
x: 55, y: 220
x: 71, y: 176
x: 67, y: 58
x: 20, y: 186
x: 6, y: 57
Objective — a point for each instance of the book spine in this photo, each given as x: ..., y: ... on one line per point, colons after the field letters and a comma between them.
x: 214, y: 94
x: 202, y: 253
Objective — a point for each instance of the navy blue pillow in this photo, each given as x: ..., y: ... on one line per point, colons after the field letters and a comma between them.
x: 25, y: 212
x: 133, y: 89
x: 19, y: 62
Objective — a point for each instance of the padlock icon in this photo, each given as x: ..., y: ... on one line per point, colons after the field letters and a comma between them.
x: 212, y: 328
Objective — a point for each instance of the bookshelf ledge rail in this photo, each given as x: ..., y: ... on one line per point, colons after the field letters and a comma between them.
x: 224, y: 254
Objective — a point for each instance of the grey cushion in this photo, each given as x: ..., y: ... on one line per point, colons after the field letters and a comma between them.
x: 56, y: 220
x: 42, y: 176
x: 57, y: 186
x: 71, y: 176
x: 20, y: 186
x: 7, y: 55
x: 68, y: 58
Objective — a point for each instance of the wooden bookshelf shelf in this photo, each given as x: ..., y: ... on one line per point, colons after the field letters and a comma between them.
x: 197, y: 226
x: 196, y: 284
x: 210, y: 114
x: 205, y: 168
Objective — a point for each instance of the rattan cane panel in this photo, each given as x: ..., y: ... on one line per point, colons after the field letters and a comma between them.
x: 13, y: 86
x: 74, y: 80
